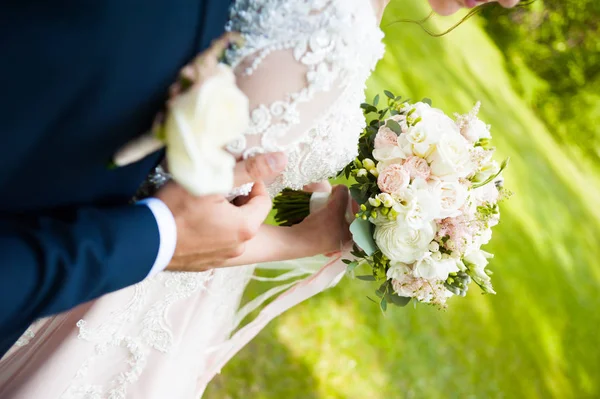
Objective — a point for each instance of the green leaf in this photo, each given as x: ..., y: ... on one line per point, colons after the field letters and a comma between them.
x: 346, y: 261
x: 383, y: 305
x: 363, y: 236
x: 355, y: 192
x: 426, y: 101
x: 352, y: 266
x: 366, y: 278
x: 399, y: 300
x: 376, y: 100
x: 394, y: 126
x: 389, y: 94
x: 368, y: 108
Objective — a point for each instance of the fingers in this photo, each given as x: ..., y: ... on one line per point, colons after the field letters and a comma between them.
x: 263, y: 167
x: 256, y: 210
x: 339, y: 198
x: 219, y: 45
x: 445, y: 7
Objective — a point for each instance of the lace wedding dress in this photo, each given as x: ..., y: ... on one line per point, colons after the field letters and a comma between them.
x: 303, y: 65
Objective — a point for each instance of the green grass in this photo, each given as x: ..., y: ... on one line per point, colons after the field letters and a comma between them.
x: 538, y: 338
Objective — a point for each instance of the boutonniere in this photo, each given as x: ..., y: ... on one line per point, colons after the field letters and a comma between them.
x: 205, y: 111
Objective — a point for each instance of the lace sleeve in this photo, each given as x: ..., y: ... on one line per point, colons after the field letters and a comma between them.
x: 304, y: 65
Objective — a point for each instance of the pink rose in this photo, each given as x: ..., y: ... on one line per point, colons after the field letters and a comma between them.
x: 385, y: 138
x: 393, y: 179
x: 418, y: 168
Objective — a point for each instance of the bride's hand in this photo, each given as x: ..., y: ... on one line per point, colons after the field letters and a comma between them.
x: 323, y: 232
x: 327, y: 230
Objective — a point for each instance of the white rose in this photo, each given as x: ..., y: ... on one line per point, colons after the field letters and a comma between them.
x: 199, y: 124
x: 476, y: 130
x: 431, y: 269
x: 452, y: 195
x: 433, y: 126
x: 400, y: 243
x: 451, y: 158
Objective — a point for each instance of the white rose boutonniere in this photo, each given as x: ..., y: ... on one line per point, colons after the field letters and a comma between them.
x: 206, y: 112
x: 200, y: 122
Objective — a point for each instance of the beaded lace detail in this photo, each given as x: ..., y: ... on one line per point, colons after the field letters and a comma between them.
x: 339, y: 44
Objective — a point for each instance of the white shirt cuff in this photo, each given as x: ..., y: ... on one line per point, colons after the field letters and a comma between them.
x: 167, y: 230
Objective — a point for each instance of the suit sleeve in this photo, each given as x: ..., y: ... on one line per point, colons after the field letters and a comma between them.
x: 49, y: 265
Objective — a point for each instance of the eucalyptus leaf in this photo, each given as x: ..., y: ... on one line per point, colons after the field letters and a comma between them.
x: 426, y: 101
x: 368, y: 108
x: 376, y: 100
x: 400, y: 300
x: 352, y: 266
x: 355, y: 192
x: 383, y: 305
x: 389, y: 94
x: 394, y: 126
x: 362, y: 235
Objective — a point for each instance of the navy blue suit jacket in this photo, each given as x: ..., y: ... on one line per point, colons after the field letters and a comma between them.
x: 78, y: 79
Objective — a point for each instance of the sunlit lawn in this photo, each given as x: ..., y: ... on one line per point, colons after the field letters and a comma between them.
x: 539, y: 337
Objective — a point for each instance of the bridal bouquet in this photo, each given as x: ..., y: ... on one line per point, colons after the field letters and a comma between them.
x: 428, y: 191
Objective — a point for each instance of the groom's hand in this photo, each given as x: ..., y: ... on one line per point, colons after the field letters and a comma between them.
x: 211, y: 230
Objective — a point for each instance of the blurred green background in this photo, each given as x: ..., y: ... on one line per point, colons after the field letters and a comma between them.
x: 537, y: 72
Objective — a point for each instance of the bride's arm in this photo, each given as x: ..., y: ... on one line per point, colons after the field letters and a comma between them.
x: 323, y: 232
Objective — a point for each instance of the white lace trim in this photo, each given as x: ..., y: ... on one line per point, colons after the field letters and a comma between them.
x: 154, y: 333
